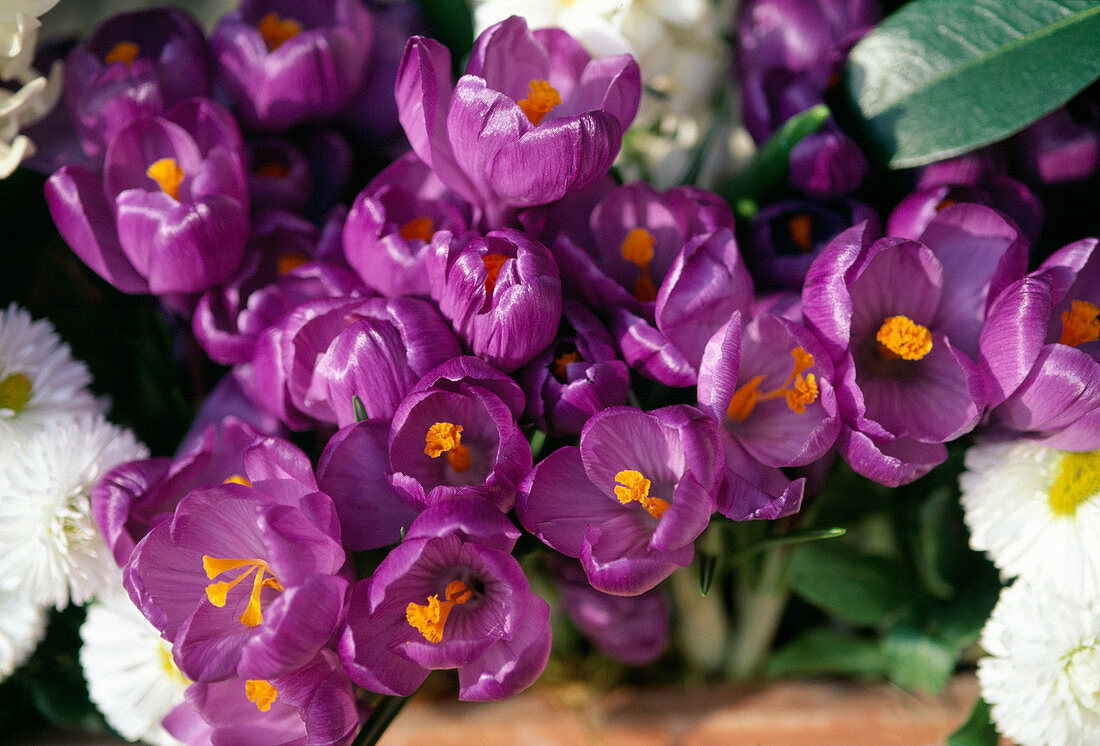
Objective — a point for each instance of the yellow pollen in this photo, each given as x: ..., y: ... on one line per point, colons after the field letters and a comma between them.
x: 797, y: 390
x: 287, y: 262
x: 124, y: 51
x: 168, y: 175
x: 260, y: 692
x: 420, y: 228
x: 633, y: 486
x: 1080, y: 324
x: 235, y: 479
x: 217, y: 592
x: 1078, y: 481
x: 493, y: 263
x: 541, y: 98
x: 15, y: 392
x: 429, y: 618
x: 637, y: 248
x: 168, y: 666
x: 273, y: 170
x: 444, y: 437
x: 900, y: 337
x: 800, y: 229
x: 276, y: 30
x: 561, y: 363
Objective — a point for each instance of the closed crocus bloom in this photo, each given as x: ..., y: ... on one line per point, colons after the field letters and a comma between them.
x: 391, y: 223
x: 632, y: 499
x: 501, y: 292
x: 283, y: 62
x: 1040, y: 350
x: 170, y: 214
x: 242, y: 579
x: 450, y: 596
x: 533, y: 119
x: 913, y: 214
x: 278, y: 175
x: 135, y: 65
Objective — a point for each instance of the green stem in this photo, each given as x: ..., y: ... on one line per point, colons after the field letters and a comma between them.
x: 380, y: 718
x: 759, y: 610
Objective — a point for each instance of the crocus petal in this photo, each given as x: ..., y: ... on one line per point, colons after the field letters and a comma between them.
x: 753, y: 491
x: 510, y: 666
x: 616, y: 558
x: 889, y: 463
x: 650, y: 352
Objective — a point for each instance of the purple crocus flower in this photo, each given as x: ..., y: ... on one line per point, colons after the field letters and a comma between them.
x: 1041, y: 352
x: 449, y: 596
x: 284, y: 62
x: 391, y: 224
x: 631, y: 499
x: 242, y: 579
x: 901, y: 321
x: 456, y: 433
x: 533, y: 119
x: 278, y: 175
x: 500, y: 291
x: 913, y: 214
x: 578, y: 375
x: 170, y: 214
x: 135, y: 65
x: 1058, y: 148
x: 314, y: 704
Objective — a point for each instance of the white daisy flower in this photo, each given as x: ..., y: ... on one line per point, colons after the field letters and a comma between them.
x: 128, y: 666
x: 36, y: 95
x: 22, y: 626
x: 50, y: 547
x: 1036, y: 512
x: 1042, y: 675
x: 39, y: 380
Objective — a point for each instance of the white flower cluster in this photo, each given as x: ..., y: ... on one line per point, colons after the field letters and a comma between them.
x: 1036, y: 512
x: 681, y: 48
x: 25, y: 96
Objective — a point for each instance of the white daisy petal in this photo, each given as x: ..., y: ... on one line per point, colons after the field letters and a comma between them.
x: 22, y: 625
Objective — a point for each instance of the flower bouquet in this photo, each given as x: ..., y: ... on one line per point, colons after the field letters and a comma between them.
x: 675, y: 341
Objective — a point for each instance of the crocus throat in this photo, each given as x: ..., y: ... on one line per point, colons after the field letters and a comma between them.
x: 286, y: 262
x: 168, y: 175
x: 541, y: 98
x: 493, y: 263
x: 273, y: 169
x: 1077, y: 482
x: 1080, y: 324
x: 445, y: 437
x: 429, y: 618
x: 261, y: 692
x: 900, y: 337
x: 15, y: 393
x: 800, y: 229
x: 797, y: 390
x: 637, y: 248
x: 633, y: 486
x: 217, y: 592
x: 421, y: 228
x: 561, y: 364
x: 124, y: 51
x: 277, y: 30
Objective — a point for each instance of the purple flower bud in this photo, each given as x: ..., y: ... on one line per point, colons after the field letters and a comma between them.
x: 827, y: 164
x: 281, y: 63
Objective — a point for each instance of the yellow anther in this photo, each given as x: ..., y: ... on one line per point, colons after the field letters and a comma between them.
x: 421, y: 228
x: 444, y: 437
x: 803, y: 393
x: 277, y: 30
x: 286, y: 262
x: 15, y: 392
x: 217, y: 592
x: 1078, y: 481
x: 804, y: 390
x: 261, y: 692
x: 168, y: 175
x: 637, y: 247
x: 541, y: 98
x: 429, y: 618
x: 1080, y: 324
x: 562, y: 361
x: 124, y: 51
x: 800, y: 229
x: 744, y: 399
x: 493, y: 263
x: 900, y: 337
x: 235, y: 479
x: 632, y: 486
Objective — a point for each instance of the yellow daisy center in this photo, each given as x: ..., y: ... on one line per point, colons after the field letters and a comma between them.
x: 15, y: 392
x: 1077, y: 482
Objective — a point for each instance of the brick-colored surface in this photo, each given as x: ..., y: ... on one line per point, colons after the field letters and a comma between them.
x: 785, y: 714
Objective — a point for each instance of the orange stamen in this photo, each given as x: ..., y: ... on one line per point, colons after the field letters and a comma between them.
x: 561, y: 363
x: 1080, y: 324
x: 277, y: 30
x: 168, y: 175
x: 261, y: 692
x: 444, y: 437
x: 421, y: 228
x: 429, y: 618
x: 901, y: 337
x: 797, y: 390
x: 124, y: 51
x: 800, y: 229
x: 633, y: 486
x: 493, y: 263
x: 217, y: 592
x: 541, y: 98
x: 237, y: 479
x: 637, y: 248
x: 286, y: 262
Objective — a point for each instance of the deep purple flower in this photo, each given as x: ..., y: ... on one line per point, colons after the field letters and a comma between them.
x: 278, y: 175
x: 390, y: 227
x: 631, y: 500
x: 242, y: 580
x: 449, y: 596
x: 170, y: 214
x: 1058, y: 149
x: 827, y: 163
x: 456, y: 433
x: 578, y: 375
x: 1040, y: 350
x: 284, y: 62
x: 314, y: 704
x: 533, y: 119
x: 135, y: 65
x: 500, y: 291
x: 913, y: 214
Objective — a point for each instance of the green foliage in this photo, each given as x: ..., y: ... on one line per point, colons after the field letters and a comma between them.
x: 826, y: 650
x: 450, y: 22
x: 941, y: 77
x: 854, y: 587
x: 978, y: 729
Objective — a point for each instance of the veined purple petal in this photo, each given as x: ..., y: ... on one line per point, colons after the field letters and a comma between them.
x: 616, y: 559
x: 510, y: 666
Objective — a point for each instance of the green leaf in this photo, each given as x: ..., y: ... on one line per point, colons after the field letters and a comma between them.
x: 798, y: 536
x: 708, y: 563
x: 358, y: 408
x: 978, y: 730
x: 916, y: 660
x: 854, y: 587
x: 827, y: 651
x: 450, y: 22
x: 934, y: 520
x: 942, y: 77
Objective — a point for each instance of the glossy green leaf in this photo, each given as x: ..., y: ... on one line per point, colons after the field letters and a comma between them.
x: 852, y: 586
x: 978, y: 729
x: 942, y: 77
x: 917, y: 661
x: 827, y: 651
